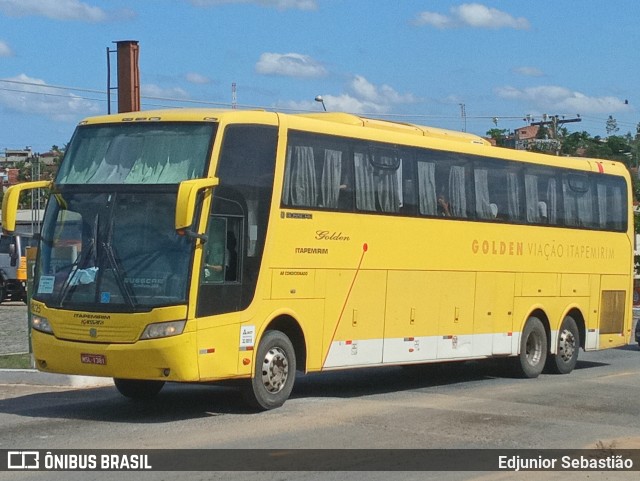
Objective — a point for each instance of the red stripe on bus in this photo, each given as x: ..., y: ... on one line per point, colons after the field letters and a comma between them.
x: 365, y: 248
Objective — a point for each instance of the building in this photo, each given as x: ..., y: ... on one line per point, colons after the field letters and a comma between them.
x: 526, y: 138
x: 44, y: 167
x: 13, y: 157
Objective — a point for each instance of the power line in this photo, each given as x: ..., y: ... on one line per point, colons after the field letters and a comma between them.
x: 50, y: 94
x: 589, y: 119
x: 35, y: 84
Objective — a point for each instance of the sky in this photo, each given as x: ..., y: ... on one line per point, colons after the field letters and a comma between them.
x: 470, y: 66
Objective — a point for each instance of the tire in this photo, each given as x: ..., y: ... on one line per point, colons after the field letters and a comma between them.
x: 566, y: 357
x: 274, y: 373
x: 138, y: 390
x: 533, y: 349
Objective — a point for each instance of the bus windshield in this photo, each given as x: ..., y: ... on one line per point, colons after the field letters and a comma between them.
x: 137, y: 153
x: 112, y: 249
x: 108, y: 237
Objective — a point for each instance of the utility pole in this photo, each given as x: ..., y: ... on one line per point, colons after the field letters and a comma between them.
x: 463, y: 114
x: 234, y: 98
x: 35, y: 194
x: 555, y: 122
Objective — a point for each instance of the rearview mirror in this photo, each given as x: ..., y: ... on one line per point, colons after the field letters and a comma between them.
x: 186, y: 201
x: 11, y: 199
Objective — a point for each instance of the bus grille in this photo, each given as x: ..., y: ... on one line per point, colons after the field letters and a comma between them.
x: 98, y: 333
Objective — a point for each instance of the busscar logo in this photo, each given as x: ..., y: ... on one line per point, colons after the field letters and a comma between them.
x: 23, y: 460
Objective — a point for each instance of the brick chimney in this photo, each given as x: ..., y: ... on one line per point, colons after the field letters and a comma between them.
x: 128, y: 76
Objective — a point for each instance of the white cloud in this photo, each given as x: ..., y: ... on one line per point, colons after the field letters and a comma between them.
x: 383, y: 95
x: 362, y: 97
x: 280, y: 4
x: 5, y: 50
x: 61, y: 10
x: 529, y: 71
x: 473, y: 15
x: 554, y: 99
x: 196, y: 78
x: 434, y: 19
x: 33, y: 96
x: 480, y: 16
x: 289, y: 65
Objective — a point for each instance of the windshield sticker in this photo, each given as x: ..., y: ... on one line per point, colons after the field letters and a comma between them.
x: 247, y: 337
x: 45, y: 286
x: 105, y: 297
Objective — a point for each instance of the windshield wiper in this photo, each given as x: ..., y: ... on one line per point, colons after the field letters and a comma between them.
x: 119, y: 274
x: 109, y: 253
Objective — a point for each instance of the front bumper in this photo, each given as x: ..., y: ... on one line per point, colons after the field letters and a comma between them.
x: 167, y: 359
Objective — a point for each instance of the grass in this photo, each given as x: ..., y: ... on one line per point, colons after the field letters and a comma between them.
x: 15, y: 361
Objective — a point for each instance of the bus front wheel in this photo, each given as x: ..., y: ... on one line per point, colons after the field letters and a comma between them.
x: 137, y: 389
x: 533, y: 349
x: 567, y: 349
x: 274, y: 372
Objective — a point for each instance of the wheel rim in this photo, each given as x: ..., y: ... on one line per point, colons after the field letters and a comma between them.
x: 534, y: 349
x: 275, y: 370
x: 566, y: 345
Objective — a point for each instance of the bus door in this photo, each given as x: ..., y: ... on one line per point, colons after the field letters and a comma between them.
x: 221, y: 267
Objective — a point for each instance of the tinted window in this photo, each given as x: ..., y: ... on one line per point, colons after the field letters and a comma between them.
x: 350, y: 175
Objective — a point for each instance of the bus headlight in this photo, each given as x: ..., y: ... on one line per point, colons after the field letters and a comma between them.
x: 163, y: 329
x: 41, y: 324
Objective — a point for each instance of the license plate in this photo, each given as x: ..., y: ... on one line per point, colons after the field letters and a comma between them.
x: 99, y: 359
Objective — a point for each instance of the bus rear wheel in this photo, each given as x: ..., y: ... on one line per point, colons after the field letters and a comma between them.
x: 567, y: 349
x: 138, y: 389
x: 274, y: 372
x: 533, y: 349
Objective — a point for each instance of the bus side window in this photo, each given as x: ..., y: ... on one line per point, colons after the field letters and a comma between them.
x: 220, y: 262
x: 378, y: 179
x: 484, y: 207
x: 215, y: 256
x: 231, y: 263
x: 300, y: 183
x: 317, y: 175
x: 427, y: 195
x: 457, y: 191
x: 407, y: 183
x: 610, y: 203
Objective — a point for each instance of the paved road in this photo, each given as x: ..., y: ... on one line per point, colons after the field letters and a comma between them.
x: 467, y: 405
x: 462, y: 405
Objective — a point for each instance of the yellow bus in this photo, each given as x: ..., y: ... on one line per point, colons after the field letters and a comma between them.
x: 13, y: 266
x: 205, y: 245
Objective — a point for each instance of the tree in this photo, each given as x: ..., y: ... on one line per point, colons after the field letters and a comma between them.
x: 499, y: 135
x: 543, y: 133
x: 575, y: 143
x: 612, y: 125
